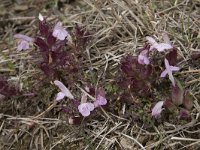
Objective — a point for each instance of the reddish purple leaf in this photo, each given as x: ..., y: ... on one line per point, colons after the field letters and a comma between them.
x: 51, y: 39
x: 47, y: 69
x: 41, y: 44
x: 43, y: 28
x: 172, y: 57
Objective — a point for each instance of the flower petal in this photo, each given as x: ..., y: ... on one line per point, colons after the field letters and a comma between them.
x: 85, y: 109
x: 23, y: 45
x: 151, y: 40
x: 172, y: 79
x: 143, y: 60
x: 60, y: 96
x: 23, y: 37
x: 173, y: 68
x: 157, y: 109
x: 90, y: 106
x: 163, y: 74
x: 100, y: 101
x: 63, y: 89
x: 59, y: 32
x: 169, y: 72
x: 162, y: 46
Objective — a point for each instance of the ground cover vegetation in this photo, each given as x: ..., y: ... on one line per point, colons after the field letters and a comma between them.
x: 105, y: 74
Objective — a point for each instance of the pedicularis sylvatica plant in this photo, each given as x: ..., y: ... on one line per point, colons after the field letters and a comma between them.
x: 143, y: 74
x: 61, y: 60
x: 62, y: 56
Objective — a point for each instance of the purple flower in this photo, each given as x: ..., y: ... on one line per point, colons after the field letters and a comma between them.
x: 24, y: 41
x: 157, y: 109
x: 100, y: 101
x: 142, y: 58
x: 85, y: 109
x: 169, y: 69
x: 60, y: 96
x: 158, y: 46
x: 64, y: 91
x: 59, y: 32
x: 100, y: 98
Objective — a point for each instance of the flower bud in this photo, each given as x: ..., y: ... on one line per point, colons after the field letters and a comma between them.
x: 188, y: 100
x: 177, y: 95
x: 183, y: 113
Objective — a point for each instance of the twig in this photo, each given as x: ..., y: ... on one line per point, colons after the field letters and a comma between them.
x: 184, y: 139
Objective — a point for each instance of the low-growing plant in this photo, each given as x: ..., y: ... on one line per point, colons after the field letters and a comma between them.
x: 140, y: 77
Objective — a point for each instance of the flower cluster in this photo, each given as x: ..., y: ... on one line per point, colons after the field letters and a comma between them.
x: 141, y: 75
x: 84, y: 107
x: 178, y: 97
x: 180, y: 101
x: 160, y: 47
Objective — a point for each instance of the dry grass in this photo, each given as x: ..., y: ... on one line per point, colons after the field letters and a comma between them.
x: 118, y: 28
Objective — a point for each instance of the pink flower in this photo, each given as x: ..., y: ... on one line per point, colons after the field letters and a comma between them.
x: 24, y: 41
x: 169, y: 69
x: 100, y: 98
x: 85, y: 109
x: 59, y: 32
x: 100, y: 101
x: 60, y: 96
x: 159, y: 46
x: 157, y: 109
x: 142, y: 58
x: 64, y: 91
